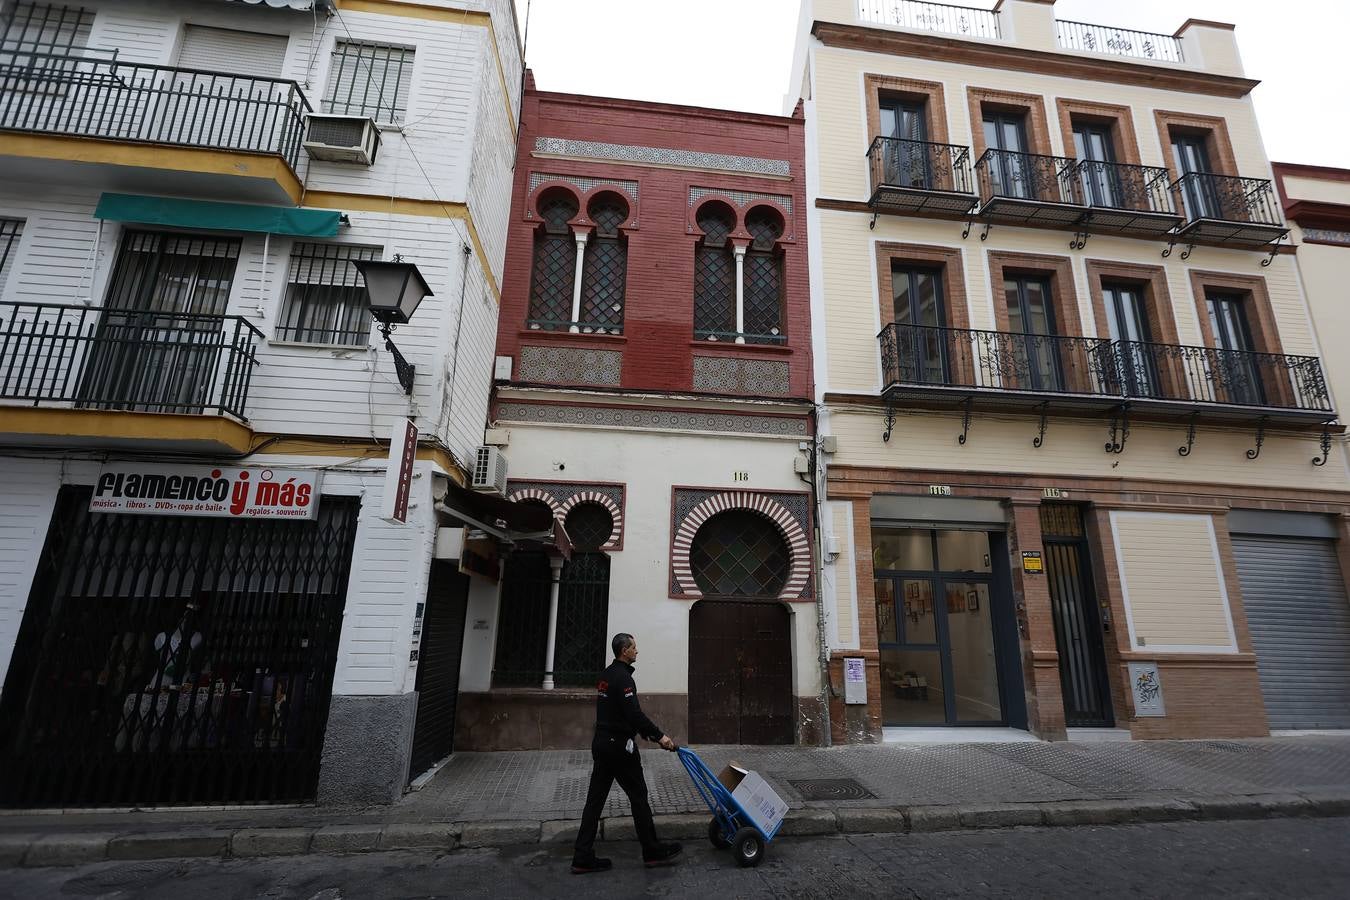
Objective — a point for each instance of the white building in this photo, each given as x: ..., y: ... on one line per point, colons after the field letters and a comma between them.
x: 177, y: 298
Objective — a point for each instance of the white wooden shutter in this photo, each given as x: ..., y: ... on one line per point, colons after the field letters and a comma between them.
x: 236, y: 52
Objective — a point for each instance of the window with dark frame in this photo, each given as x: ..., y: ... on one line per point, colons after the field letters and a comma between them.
x: 764, y: 278
x: 919, y: 309
x: 369, y: 80
x: 1234, y: 369
x: 740, y: 553
x: 553, y: 269
x: 44, y: 28
x: 1031, y: 321
x: 715, y: 275
x: 604, y: 269
x: 11, y: 230
x: 325, y: 301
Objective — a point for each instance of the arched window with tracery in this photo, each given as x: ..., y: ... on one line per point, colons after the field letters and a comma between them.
x: 715, y: 274
x: 605, y: 269
x: 555, y: 261
x: 740, y: 553
x: 764, y: 277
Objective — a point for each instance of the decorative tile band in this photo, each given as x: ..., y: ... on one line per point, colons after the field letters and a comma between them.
x: 584, y: 184
x: 663, y: 156
x: 729, y: 375
x: 1324, y: 234
x: 555, y: 414
x: 570, y: 365
x: 562, y: 497
x: 787, y: 512
x: 740, y: 198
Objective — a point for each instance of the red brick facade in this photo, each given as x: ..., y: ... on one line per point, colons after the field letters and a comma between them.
x: 657, y: 344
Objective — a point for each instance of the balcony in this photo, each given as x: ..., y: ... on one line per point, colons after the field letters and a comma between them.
x: 1127, y: 199
x: 919, y: 177
x: 233, y: 136
x: 1028, y: 189
x: 946, y: 367
x: 1112, y: 41
x: 100, y: 359
x: 1228, y: 211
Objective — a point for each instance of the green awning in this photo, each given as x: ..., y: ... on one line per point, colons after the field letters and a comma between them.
x: 209, y: 214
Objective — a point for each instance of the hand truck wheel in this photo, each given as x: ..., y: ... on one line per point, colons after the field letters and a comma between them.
x: 715, y: 835
x: 748, y: 846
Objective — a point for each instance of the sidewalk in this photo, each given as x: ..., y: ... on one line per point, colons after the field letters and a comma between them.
x: 499, y: 799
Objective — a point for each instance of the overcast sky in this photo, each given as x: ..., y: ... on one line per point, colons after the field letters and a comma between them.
x: 736, y: 54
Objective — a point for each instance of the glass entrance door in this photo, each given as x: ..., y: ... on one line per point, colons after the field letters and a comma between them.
x: 935, y: 631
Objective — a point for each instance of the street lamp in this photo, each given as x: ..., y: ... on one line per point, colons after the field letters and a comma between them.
x: 393, y: 290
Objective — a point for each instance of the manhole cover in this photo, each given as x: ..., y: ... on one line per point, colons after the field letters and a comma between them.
x: 831, y: 789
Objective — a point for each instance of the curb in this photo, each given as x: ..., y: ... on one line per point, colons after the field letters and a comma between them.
x: 78, y: 848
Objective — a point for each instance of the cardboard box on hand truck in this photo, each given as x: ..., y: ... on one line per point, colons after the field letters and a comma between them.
x: 761, y: 803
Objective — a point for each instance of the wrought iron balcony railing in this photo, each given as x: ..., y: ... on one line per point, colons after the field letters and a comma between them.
x: 1004, y: 174
x: 145, y: 361
x: 924, y: 359
x: 1228, y: 198
x: 911, y: 174
x: 961, y: 21
x: 1118, y: 41
x: 102, y: 98
x: 1123, y: 186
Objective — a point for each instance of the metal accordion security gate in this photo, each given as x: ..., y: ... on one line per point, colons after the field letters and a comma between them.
x: 166, y: 660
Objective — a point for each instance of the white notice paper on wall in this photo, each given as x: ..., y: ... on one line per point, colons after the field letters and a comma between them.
x: 855, y: 680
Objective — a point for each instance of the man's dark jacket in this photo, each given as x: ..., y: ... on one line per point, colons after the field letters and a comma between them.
x: 617, y: 711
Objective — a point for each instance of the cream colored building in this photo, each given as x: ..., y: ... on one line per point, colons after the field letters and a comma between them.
x: 1081, y: 473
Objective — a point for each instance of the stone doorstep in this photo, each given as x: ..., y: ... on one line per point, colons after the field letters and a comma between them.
x: 71, y: 849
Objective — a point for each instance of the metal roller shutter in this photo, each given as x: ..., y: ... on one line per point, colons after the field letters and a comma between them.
x: 438, y: 667
x: 1299, y: 618
x: 236, y: 52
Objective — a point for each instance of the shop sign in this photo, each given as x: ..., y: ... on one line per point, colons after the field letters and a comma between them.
x: 1146, y: 686
x: 254, y: 493
x: 399, y: 473
x: 1032, y: 563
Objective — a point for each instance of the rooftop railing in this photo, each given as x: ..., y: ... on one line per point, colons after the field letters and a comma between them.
x: 961, y: 21
x: 102, y: 98
x: 1118, y: 41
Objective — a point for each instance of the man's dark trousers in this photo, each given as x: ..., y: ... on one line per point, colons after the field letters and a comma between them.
x: 613, y: 763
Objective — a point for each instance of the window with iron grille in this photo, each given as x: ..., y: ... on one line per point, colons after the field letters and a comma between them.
x: 589, y: 526
x: 740, y: 553
x: 763, y: 279
x: 10, y: 232
x: 522, y: 624
x: 43, y: 28
x: 369, y: 80
x: 605, y: 268
x: 325, y: 300
x: 715, y: 275
x: 555, y: 262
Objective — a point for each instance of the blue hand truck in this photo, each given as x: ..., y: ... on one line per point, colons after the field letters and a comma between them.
x: 731, y: 826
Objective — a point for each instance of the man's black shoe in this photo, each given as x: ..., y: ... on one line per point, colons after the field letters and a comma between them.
x: 665, y: 855
x: 598, y: 864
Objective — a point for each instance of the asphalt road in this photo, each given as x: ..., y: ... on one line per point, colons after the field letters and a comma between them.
x: 1300, y: 858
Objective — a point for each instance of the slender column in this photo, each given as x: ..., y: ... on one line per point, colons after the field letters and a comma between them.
x: 555, y: 564
x: 576, y: 282
x: 740, y: 294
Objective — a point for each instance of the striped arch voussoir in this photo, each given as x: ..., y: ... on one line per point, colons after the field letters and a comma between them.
x: 608, y: 503
x: 536, y: 494
x: 798, y: 544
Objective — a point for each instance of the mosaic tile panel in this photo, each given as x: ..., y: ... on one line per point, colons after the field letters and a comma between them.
x: 570, y: 365
x: 740, y: 198
x: 583, y: 184
x: 729, y: 375
x: 549, y: 413
x: 561, y: 496
x: 663, y: 156
x: 1326, y: 234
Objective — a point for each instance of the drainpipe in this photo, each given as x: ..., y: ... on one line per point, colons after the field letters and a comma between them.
x: 822, y: 639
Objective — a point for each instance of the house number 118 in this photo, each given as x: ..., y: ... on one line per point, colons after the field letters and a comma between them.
x: 740, y: 476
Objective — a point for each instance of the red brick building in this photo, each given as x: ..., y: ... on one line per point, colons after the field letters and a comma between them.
x: 653, y: 388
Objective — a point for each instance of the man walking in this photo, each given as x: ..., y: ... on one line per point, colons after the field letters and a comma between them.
x: 618, y: 721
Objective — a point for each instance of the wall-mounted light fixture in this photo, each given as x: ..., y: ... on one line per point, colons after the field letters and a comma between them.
x: 394, y: 289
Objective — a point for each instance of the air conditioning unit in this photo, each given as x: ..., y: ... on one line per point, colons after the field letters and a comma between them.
x: 350, y: 139
x: 489, y: 471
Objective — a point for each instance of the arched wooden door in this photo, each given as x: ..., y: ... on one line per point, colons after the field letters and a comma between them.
x: 740, y: 673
